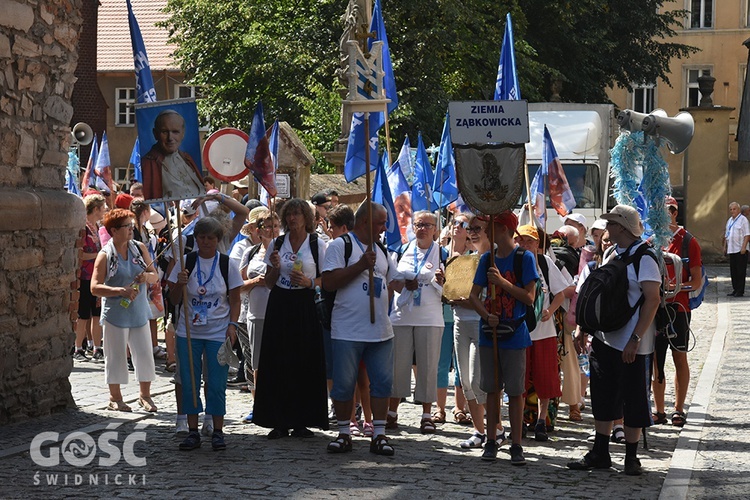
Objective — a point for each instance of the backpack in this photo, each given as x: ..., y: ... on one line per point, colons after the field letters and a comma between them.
x: 568, y: 256
x: 533, y: 311
x: 329, y: 298
x: 695, y: 297
x: 603, y: 299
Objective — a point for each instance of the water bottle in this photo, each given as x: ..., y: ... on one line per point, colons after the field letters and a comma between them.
x: 297, y: 266
x: 583, y: 363
x: 125, y: 302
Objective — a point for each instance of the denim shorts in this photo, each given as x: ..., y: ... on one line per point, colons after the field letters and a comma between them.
x: 378, y: 358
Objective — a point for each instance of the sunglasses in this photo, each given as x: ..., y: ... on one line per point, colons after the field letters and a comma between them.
x: 462, y: 224
x: 475, y: 229
x: 423, y: 225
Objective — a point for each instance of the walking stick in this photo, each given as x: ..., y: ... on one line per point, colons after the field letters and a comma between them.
x: 185, y: 310
x: 493, y: 294
x: 368, y: 200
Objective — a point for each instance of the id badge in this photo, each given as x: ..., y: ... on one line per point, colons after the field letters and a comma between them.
x: 377, y: 283
x: 417, y: 297
x: 200, y: 314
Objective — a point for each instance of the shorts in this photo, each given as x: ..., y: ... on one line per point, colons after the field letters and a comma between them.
x: 619, y: 389
x: 87, y: 303
x: 543, y: 369
x: 347, y: 361
x: 679, y: 343
x: 511, y: 372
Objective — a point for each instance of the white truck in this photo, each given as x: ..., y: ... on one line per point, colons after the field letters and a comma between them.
x: 582, y: 134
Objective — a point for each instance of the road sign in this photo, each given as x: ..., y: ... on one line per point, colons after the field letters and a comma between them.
x: 485, y: 122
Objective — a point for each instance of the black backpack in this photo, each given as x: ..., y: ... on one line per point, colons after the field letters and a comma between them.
x: 603, y: 299
x: 325, y: 311
x: 533, y: 311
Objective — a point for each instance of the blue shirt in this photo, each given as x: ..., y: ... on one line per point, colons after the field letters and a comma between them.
x: 138, y: 312
x: 511, y: 309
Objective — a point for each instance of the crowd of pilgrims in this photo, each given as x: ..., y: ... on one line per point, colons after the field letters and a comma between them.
x: 246, y: 291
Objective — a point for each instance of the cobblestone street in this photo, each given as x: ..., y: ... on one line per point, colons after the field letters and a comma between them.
x: 711, y: 463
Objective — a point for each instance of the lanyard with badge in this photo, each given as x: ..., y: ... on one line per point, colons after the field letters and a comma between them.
x: 417, y: 297
x: 729, y: 229
x: 377, y: 281
x: 200, y: 310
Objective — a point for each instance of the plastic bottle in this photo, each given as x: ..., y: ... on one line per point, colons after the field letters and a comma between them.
x: 125, y: 302
x: 583, y: 363
x: 297, y: 266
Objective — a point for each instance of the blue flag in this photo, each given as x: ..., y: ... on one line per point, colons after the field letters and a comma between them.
x: 381, y: 193
x: 71, y: 174
x: 377, y: 26
x: 423, y: 180
x: 89, y: 175
x: 273, y: 145
x: 403, y: 162
x: 135, y: 161
x: 144, y: 82
x: 445, y: 187
x: 560, y: 195
x: 506, y: 86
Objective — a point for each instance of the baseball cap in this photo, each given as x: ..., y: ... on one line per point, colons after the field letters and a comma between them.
x: 670, y: 202
x: 319, y: 199
x: 579, y: 218
x: 627, y: 217
x: 186, y: 207
x: 528, y: 230
x: 507, y: 219
x: 123, y: 201
x: 599, y: 224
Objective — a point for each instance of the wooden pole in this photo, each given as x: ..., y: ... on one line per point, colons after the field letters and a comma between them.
x: 493, y: 294
x: 528, y: 193
x: 368, y: 200
x: 185, y: 310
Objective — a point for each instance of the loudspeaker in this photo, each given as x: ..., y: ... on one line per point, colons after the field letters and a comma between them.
x: 633, y: 121
x: 82, y: 134
x: 677, y: 130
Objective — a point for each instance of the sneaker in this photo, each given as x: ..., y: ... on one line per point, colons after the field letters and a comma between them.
x: 131, y: 368
x: 217, y: 441
x: 181, y: 428
x: 490, y: 451
x: 247, y: 419
x: 98, y: 356
x: 238, y: 380
x: 516, y: 455
x: 591, y: 461
x: 540, y: 432
x: 208, y: 428
x: 191, y: 442
x: 80, y: 355
x: 475, y: 441
x: 633, y: 467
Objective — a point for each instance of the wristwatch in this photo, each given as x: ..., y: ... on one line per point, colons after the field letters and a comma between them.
x: 635, y: 338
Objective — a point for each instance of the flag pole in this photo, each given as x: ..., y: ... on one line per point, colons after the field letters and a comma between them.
x: 493, y: 294
x: 368, y: 200
x: 528, y: 192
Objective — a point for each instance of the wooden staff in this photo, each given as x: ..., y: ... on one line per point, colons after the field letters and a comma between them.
x: 493, y: 294
x: 528, y: 193
x: 368, y: 200
x: 185, y: 305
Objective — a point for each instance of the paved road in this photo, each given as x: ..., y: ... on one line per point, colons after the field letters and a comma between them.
x: 709, y: 459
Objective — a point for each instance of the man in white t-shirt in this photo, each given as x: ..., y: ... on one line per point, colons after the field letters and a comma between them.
x: 354, y: 337
x: 619, y: 360
x: 736, y: 239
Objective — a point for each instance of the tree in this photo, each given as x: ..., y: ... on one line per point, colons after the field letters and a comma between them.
x: 286, y: 53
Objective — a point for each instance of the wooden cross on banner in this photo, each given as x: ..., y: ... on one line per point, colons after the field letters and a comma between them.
x: 362, y: 35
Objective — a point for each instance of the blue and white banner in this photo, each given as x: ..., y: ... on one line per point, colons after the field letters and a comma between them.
x: 144, y: 82
x: 506, y: 86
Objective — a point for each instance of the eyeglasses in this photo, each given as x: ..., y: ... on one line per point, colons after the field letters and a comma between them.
x: 462, y: 224
x: 423, y: 225
x: 475, y: 229
x: 131, y: 225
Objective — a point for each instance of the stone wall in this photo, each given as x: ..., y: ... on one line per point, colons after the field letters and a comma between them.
x: 39, y: 222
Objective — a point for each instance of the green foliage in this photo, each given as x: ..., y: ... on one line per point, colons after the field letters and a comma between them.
x: 286, y: 53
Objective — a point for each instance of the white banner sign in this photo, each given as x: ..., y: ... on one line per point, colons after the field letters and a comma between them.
x: 282, y: 186
x: 485, y: 122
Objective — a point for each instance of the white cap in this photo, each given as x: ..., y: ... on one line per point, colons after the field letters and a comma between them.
x: 599, y: 224
x: 579, y: 218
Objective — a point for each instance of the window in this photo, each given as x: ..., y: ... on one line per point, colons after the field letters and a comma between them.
x: 643, y: 98
x: 701, y: 13
x: 693, y: 94
x: 124, y: 106
x: 182, y: 91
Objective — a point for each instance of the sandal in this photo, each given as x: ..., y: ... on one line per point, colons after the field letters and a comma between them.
x: 391, y: 423
x: 354, y: 429
x: 341, y: 444
x: 439, y: 417
x: 369, y: 429
x: 380, y: 446
x: 475, y: 441
x: 618, y: 435
x: 659, y: 418
x: 427, y: 426
x: 460, y: 417
x: 147, y: 404
x: 170, y: 367
x: 118, y: 406
x: 679, y: 418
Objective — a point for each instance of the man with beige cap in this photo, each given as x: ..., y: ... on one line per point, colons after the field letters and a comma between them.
x: 619, y: 359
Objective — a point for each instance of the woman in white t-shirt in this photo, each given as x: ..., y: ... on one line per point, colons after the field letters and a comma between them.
x: 291, y: 392
x: 417, y: 320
